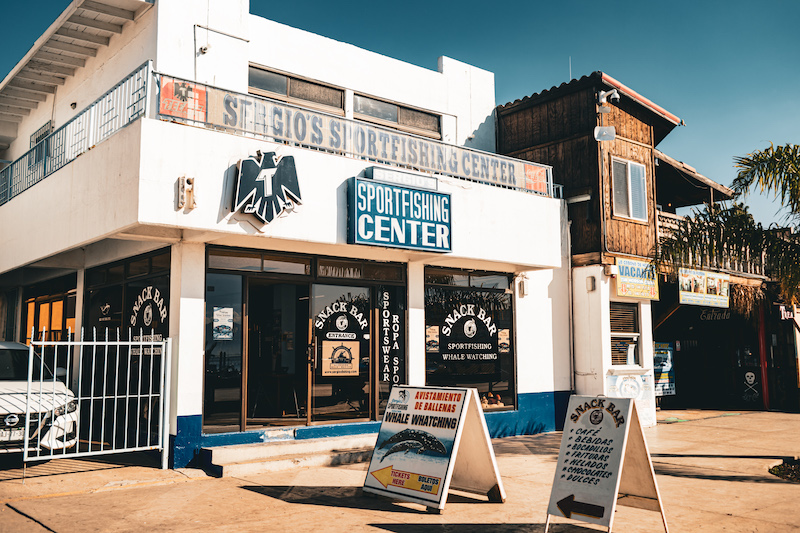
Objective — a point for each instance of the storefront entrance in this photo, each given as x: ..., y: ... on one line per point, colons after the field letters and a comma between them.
x: 299, y: 345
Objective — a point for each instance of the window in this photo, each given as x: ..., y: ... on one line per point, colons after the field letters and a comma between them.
x: 39, y: 149
x: 469, y: 337
x: 295, y: 90
x: 396, y: 116
x: 629, y: 189
x: 624, y: 334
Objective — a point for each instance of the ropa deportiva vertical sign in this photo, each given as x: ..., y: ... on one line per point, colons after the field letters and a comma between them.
x: 381, y: 214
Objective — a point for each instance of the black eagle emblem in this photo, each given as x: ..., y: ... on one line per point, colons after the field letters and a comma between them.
x: 267, y: 186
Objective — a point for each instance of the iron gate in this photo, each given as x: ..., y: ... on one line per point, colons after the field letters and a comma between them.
x: 97, y: 397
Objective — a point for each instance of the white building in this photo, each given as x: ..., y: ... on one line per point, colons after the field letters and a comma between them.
x: 309, y: 222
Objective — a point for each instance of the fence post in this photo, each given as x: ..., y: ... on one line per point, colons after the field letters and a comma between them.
x: 166, y: 361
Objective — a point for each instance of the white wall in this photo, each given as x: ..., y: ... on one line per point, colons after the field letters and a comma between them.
x: 463, y: 92
x: 94, y: 196
x: 592, y: 338
x: 489, y: 224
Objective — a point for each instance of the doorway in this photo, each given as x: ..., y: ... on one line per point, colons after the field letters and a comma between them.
x: 276, y: 375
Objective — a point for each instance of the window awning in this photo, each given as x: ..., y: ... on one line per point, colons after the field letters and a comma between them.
x: 680, y: 185
x: 79, y: 32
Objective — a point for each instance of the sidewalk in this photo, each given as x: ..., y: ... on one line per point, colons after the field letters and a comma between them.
x: 711, y: 472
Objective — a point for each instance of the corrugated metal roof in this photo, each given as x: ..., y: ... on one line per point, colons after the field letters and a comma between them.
x: 80, y: 31
x: 595, y: 78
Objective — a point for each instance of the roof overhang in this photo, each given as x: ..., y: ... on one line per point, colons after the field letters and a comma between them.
x: 80, y: 31
x: 680, y: 185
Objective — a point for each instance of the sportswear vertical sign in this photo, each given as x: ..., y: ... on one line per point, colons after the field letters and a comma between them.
x: 601, y: 435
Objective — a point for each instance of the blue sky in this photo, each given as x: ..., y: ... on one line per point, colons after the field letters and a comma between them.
x: 730, y: 69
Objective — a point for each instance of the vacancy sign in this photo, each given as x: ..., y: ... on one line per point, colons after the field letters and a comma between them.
x: 601, y: 436
x: 433, y: 439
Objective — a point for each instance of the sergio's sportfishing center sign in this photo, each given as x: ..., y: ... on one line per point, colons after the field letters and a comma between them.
x: 382, y: 214
x: 279, y: 122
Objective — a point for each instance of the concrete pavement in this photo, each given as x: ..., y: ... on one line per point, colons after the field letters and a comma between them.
x: 711, y: 469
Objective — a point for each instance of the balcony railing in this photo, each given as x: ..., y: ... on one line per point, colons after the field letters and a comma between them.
x: 196, y: 104
x: 117, y: 108
x: 753, y: 264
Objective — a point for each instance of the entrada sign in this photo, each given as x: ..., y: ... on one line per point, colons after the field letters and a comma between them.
x: 381, y: 214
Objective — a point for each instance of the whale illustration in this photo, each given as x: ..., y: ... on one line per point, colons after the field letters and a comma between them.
x: 423, y: 440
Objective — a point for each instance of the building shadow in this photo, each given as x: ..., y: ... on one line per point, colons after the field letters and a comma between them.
x: 351, y: 498
x: 481, y: 528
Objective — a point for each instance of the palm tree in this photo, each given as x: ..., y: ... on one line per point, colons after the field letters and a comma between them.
x: 728, y: 236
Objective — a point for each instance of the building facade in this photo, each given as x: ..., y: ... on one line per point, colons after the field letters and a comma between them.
x: 309, y: 222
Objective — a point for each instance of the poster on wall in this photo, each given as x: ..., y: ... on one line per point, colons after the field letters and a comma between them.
x: 638, y: 387
x: 663, y: 371
x: 636, y: 279
x: 432, y: 439
x: 432, y: 339
x: 698, y: 287
x: 340, y: 358
x: 222, y: 328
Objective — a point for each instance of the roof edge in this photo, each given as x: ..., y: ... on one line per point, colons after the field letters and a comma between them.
x: 630, y: 93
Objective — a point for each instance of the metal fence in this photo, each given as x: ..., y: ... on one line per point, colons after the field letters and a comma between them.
x: 117, y: 108
x: 96, y: 397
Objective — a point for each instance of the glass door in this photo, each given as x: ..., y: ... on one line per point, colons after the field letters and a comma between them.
x: 340, y: 367
x: 276, y: 379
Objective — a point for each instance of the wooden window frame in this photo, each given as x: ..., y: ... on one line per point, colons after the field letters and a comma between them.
x: 629, y: 190
x: 299, y: 102
x: 396, y: 125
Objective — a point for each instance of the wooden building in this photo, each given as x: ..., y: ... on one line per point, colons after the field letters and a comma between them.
x: 617, y: 190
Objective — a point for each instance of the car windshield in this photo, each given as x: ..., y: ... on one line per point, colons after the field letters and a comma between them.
x: 14, y: 366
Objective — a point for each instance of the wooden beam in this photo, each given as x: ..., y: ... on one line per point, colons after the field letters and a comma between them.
x: 591, y: 258
x: 69, y: 47
x: 115, y: 12
x: 32, y: 86
x: 50, y: 68
x: 12, y: 110
x: 83, y: 36
x: 96, y: 24
x: 24, y: 94
x: 8, y: 100
x: 62, y: 59
x: 26, y: 74
x: 10, y: 118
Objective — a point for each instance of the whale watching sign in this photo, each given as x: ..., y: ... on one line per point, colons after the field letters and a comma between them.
x: 433, y: 439
x: 601, y: 436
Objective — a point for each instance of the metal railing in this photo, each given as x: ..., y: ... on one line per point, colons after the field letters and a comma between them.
x: 129, y: 100
x: 97, y: 397
x: 117, y: 108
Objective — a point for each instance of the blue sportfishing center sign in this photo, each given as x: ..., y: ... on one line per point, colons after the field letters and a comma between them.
x: 383, y: 214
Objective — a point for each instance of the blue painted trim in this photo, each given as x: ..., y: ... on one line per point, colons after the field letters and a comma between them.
x: 537, y: 412
x: 337, y: 430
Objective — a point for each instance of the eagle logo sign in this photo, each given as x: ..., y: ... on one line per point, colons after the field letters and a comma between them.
x: 267, y: 187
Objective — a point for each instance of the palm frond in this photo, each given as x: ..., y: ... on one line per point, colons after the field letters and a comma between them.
x: 773, y: 170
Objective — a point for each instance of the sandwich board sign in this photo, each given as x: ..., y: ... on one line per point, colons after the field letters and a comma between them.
x: 433, y: 439
x: 603, y: 461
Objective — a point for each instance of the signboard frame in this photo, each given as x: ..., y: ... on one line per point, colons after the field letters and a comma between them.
x: 603, y: 461
x: 469, y: 465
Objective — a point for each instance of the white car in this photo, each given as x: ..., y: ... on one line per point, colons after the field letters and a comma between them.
x: 53, y: 421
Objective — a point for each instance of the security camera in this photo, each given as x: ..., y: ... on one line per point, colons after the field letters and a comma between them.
x: 608, y: 96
